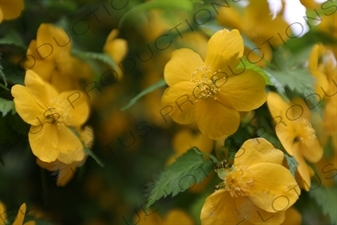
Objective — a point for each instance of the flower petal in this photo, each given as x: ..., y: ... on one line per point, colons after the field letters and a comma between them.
x: 224, y: 50
x: 178, y: 98
x: 274, y: 188
x: 302, y: 169
x: 181, y: 66
x: 312, y: 153
x: 44, y: 141
x: 26, y: 106
x: 21, y: 215
x: 216, y: 120
x: 11, y: 9
x: 177, y: 216
x: 258, y: 150
x: 245, y: 91
x: 255, y: 215
x: 219, y: 209
x: 41, y: 91
x: 70, y: 145
x: 76, y: 102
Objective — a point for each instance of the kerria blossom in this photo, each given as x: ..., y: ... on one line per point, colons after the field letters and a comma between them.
x: 53, y: 117
x: 255, y: 186
x: 212, y: 92
x: 296, y: 134
x: 10, y: 9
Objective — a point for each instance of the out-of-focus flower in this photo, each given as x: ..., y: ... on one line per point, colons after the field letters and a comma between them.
x: 185, y: 140
x: 52, y: 117
x: 50, y: 57
x: 255, y: 186
x: 19, y: 218
x: 263, y: 36
x: 207, y: 91
x: 174, y: 216
x: 116, y: 48
x: 10, y: 9
x: 296, y: 134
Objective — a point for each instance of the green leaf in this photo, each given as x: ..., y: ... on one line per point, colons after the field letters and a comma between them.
x: 144, y: 92
x: 6, y: 106
x: 248, y: 65
x: 12, y: 38
x: 135, y: 11
x: 102, y: 57
x: 292, y: 163
x: 189, y: 169
x: 327, y: 199
x: 2, y: 74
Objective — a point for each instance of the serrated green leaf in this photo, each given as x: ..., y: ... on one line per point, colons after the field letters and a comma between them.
x: 135, y: 11
x: 12, y: 38
x: 144, y: 92
x: 248, y: 65
x: 189, y: 169
x: 102, y: 57
x: 6, y: 106
x: 327, y: 199
x: 292, y: 163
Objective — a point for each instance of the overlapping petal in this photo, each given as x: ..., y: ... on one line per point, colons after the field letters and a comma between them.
x: 273, y: 193
x: 258, y: 150
x: 181, y: 66
x: 216, y: 120
x: 245, y: 91
x: 224, y: 50
x: 179, y: 101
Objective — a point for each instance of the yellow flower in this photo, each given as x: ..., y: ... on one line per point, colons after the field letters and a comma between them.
x: 116, y: 48
x: 51, y: 116
x: 295, y: 132
x: 19, y: 218
x: 256, y: 185
x: 263, y: 36
x: 257, y: 188
x: 10, y: 9
x: 173, y: 217
x: 208, y: 92
x: 293, y: 217
x: 49, y: 56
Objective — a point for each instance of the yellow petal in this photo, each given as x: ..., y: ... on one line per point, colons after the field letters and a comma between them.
x: 230, y: 17
x: 274, y: 188
x: 3, y: 215
x: 44, y: 141
x: 179, y: 99
x: 216, y: 120
x: 181, y: 66
x: 27, y: 107
x: 11, y: 9
x: 41, y: 91
x: 70, y: 156
x: 66, y: 173
x: 224, y: 50
x: 284, y: 127
x: 21, y: 215
x: 255, y: 215
x: 176, y: 216
x: 258, y: 150
x: 219, y: 208
x: 52, y: 41
x: 302, y: 169
x: 77, y: 104
x: 293, y: 217
x: 312, y: 153
x: 245, y: 91
x: 70, y: 144
x: 310, y: 4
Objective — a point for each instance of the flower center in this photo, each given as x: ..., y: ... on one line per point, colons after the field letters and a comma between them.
x: 305, y: 132
x: 57, y: 112
x: 206, y: 84
x: 239, y: 181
